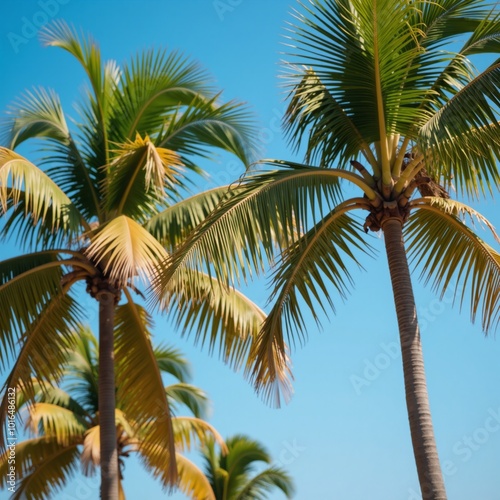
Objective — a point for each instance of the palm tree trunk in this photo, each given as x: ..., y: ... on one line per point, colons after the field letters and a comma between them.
x: 417, y: 399
x: 107, y: 430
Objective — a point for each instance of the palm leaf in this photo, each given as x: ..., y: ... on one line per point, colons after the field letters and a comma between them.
x: 43, y: 467
x: 259, y: 486
x: 205, y: 123
x: 41, y: 196
x: 192, y: 481
x: 461, y: 138
x: 43, y: 351
x: 172, y: 225
x: 38, y: 114
x: 171, y: 361
x: 218, y: 316
x: 188, y: 395
x: 125, y: 250
x: 51, y: 419
x: 457, y: 255
x: 189, y: 431
x: 266, y: 210
x: 142, y: 176
x: 153, y: 85
x: 303, y: 272
x: 147, y: 401
x: 29, y: 284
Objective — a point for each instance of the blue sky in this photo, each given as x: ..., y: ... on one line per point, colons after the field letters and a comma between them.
x: 345, y: 433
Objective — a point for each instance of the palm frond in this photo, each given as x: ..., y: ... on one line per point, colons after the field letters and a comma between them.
x: 259, y: 486
x: 192, y: 481
x: 457, y: 257
x: 205, y: 123
x: 91, y: 453
x: 29, y: 284
x: 218, y: 316
x: 125, y: 250
x: 145, y: 401
x: 43, y: 467
x: 43, y: 352
x: 50, y: 419
x: 38, y: 114
x: 172, y: 362
x: 41, y: 196
x: 461, y: 139
x: 153, y: 85
x: 268, y: 209
x: 368, y: 60
x: 171, y: 226
x: 195, y: 399
x: 142, y: 176
x: 191, y: 431
x: 304, y: 270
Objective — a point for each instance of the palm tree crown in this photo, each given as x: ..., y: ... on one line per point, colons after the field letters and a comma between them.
x: 104, y: 207
x: 375, y: 101
x: 235, y: 475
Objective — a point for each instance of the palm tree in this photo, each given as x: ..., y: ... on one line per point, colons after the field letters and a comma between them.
x: 235, y: 475
x: 103, y: 207
x: 65, y: 424
x: 376, y: 102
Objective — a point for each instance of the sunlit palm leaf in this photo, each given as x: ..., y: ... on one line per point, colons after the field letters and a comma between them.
x: 192, y: 481
x: 42, y: 197
x: 266, y: 210
x: 320, y: 258
x: 190, y: 431
x: 142, y: 176
x: 154, y: 84
x: 171, y: 226
x: 38, y: 114
x: 29, y: 284
x: 54, y: 420
x: 462, y: 138
x: 126, y: 250
x: 43, y: 351
x: 451, y: 254
x: 146, y: 401
x: 43, y: 468
x: 205, y: 123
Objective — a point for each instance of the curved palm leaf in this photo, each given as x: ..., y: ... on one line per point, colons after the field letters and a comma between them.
x: 41, y: 196
x: 171, y: 226
x: 142, y: 175
x: 303, y: 271
x: 457, y: 255
x: 188, y: 395
x: 124, y: 250
x: 135, y: 360
x: 232, y: 475
x: 217, y: 316
x: 44, y: 467
x: 192, y: 481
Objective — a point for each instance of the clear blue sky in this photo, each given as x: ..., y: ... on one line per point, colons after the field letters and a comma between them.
x: 345, y: 434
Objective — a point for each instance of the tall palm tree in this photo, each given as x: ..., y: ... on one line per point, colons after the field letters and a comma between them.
x: 103, y: 207
x: 377, y: 103
x: 65, y: 425
x: 236, y: 474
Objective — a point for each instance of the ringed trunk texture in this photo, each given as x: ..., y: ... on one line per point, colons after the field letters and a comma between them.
x: 107, y: 429
x: 417, y: 399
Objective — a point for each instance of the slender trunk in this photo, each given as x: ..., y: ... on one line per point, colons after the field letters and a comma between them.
x: 107, y: 430
x: 417, y: 399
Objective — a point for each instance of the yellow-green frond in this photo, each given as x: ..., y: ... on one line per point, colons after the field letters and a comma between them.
x: 125, y: 250
x: 453, y: 255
